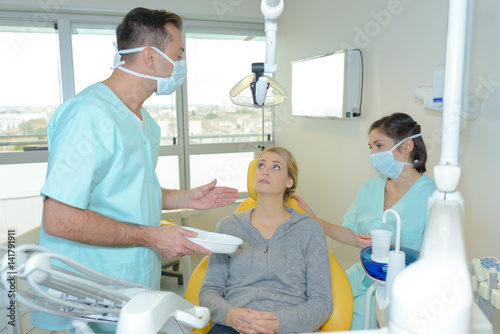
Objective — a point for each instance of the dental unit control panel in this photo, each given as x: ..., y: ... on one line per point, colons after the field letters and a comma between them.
x: 485, y: 284
x: 490, y: 262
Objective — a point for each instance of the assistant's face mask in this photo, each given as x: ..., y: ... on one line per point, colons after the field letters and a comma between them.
x: 165, y: 86
x: 386, y: 165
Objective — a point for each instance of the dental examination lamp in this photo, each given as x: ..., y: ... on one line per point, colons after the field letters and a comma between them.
x: 259, y: 90
x: 68, y: 289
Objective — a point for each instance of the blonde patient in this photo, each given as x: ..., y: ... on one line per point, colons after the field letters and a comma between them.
x: 279, y: 280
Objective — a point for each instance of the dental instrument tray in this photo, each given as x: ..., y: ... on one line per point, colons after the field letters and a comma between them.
x: 378, y: 271
x: 215, y: 242
x: 490, y: 262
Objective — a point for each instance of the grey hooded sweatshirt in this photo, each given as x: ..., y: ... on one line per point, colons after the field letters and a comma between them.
x: 290, y: 276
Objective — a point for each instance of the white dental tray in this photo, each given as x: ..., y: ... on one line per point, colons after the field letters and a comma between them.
x: 215, y: 242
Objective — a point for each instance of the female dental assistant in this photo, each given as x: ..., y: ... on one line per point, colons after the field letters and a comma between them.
x: 398, y: 153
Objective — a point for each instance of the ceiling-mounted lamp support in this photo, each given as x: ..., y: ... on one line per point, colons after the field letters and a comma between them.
x: 259, y: 90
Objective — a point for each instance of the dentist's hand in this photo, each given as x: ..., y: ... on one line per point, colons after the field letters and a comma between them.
x: 170, y: 241
x: 209, y: 196
x: 305, y: 206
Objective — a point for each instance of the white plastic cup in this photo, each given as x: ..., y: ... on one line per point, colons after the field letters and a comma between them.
x: 381, y: 243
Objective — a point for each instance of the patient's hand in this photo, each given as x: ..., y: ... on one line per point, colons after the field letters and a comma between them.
x: 248, y: 321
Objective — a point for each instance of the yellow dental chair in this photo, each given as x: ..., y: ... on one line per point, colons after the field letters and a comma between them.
x: 341, y: 317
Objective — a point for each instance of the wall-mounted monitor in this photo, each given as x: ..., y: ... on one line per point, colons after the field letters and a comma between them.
x: 329, y: 85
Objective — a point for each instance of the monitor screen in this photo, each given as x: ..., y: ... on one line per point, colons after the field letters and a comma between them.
x: 318, y: 86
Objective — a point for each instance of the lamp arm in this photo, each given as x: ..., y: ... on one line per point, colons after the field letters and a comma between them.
x: 271, y: 9
x: 260, y: 93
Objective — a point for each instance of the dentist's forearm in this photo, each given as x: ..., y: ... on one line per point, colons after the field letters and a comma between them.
x: 174, y: 199
x: 89, y: 227
x: 337, y: 232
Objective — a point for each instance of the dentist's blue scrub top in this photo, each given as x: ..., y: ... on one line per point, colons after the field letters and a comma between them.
x: 365, y: 214
x: 101, y: 160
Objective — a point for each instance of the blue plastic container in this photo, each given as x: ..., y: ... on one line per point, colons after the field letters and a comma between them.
x: 378, y: 271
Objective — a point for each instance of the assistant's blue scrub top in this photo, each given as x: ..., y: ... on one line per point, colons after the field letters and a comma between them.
x: 365, y: 214
x: 101, y: 160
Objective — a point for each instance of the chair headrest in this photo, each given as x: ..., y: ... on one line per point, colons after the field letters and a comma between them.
x: 252, y: 167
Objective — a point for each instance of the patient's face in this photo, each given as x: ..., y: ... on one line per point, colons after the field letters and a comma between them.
x: 271, y: 176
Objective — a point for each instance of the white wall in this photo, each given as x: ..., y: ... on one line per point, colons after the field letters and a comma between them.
x: 20, y: 201
x: 400, y: 53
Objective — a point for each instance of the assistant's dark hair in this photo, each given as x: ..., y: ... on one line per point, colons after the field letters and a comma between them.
x: 399, y: 126
x: 145, y: 27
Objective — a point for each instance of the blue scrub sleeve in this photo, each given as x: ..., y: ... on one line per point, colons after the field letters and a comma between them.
x: 80, y: 155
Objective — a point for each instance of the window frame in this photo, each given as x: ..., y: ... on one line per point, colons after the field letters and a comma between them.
x: 182, y: 149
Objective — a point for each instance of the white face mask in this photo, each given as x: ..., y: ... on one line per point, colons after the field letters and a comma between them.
x: 386, y: 165
x: 165, y: 86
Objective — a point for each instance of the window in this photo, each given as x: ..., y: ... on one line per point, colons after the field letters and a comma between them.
x: 29, y: 89
x: 216, y: 64
x: 227, y: 168
x: 203, y: 135
x: 221, y: 138
x: 93, y: 53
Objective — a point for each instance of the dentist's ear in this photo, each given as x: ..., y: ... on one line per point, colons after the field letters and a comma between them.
x: 148, y: 56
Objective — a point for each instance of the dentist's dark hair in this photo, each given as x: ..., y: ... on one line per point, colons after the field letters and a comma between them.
x: 145, y: 27
x: 399, y: 126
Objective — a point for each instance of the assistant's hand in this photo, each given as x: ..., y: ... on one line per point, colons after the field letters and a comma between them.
x: 305, y: 206
x: 170, y: 241
x: 363, y: 240
x: 248, y: 321
x: 209, y: 196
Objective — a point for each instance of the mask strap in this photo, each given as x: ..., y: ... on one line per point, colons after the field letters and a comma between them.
x: 138, y: 74
x: 118, y: 59
x: 118, y: 62
x: 401, y: 142
x: 411, y: 137
x: 131, y: 50
x: 163, y: 54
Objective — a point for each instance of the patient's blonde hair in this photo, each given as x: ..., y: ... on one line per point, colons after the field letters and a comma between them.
x: 291, y: 164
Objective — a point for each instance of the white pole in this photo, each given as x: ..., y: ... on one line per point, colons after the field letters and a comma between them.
x: 419, y: 302
x: 271, y: 9
x: 454, y: 78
